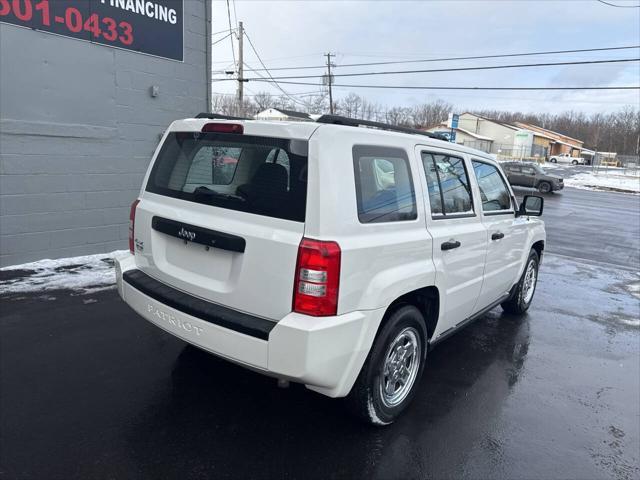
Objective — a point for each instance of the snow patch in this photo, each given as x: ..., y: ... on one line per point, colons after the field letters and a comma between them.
x: 634, y: 289
x: 84, y: 275
x: 611, y: 182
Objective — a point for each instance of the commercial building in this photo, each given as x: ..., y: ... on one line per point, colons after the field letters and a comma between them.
x: 464, y: 137
x: 559, y: 143
x: 86, y: 89
x: 511, y: 141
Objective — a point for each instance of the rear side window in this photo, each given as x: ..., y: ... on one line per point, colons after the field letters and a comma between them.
x: 384, y: 188
x: 259, y: 175
x: 493, y: 190
x: 448, y: 184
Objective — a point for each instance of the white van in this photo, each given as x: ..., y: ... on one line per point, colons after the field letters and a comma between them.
x: 335, y: 254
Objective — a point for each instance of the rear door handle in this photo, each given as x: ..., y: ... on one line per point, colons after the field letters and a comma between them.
x: 450, y: 245
x: 497, y: 236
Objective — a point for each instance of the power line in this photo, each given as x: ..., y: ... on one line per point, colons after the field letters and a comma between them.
x: 235, y: 17
x: 223, y: 31
x: 281, y: 58
x: 447, y: 59
x: 618, y: 6
x: 269, y: 73
x: 233, y: 53
x: 415, y: 87
x: 314, y: 93
x: 222, y: 39
x: 457, y: 69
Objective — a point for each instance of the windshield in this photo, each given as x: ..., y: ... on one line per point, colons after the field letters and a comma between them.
x: 257, y: 175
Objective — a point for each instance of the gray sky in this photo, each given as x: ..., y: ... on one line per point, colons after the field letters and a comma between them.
x: 298, y: 33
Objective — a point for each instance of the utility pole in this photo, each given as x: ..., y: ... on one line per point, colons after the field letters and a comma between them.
x: 329, y: 81
x: 240, y: 69
x: 208, y: 12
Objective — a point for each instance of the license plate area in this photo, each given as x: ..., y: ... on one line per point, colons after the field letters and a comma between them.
x: 194, y: 234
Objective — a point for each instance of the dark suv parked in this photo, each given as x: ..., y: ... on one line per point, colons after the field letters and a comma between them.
x: 529, y: 174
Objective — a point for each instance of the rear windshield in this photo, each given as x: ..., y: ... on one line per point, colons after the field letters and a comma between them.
x: 257, y: 175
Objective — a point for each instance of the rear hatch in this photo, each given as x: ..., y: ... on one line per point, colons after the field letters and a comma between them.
x: 222, y: 216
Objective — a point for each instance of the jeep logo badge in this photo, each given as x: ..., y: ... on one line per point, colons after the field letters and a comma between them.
x: 186, y: 234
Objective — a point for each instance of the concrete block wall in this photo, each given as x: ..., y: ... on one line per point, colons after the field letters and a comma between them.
x: 78, y: 126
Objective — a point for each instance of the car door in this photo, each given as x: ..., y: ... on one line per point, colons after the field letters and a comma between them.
x: 459, y: 236
x: 516, y: 176
x: 506, y: 234
x: 529, y: 176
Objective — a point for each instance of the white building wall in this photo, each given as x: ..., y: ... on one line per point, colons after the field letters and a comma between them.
x: 501, y: 135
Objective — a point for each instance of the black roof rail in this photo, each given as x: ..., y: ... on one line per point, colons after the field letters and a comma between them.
x: 356, y: 122
x: 217, y: 116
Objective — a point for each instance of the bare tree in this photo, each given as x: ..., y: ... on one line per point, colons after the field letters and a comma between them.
x: 263, y: 100
x: 617, y: 131
x: 427, y: 115
x: 399, y: 116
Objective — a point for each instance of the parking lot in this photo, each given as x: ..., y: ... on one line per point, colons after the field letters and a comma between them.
x: 90, y: 390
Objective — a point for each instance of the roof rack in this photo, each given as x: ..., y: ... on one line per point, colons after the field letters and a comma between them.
x: 355, y: 122
x: 217, y: 116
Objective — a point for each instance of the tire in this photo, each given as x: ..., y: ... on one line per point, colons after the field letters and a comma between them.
x: 574, y: 162
x: 521, y: 297
x: 367, y: 401
x: 554, y: 160
x: 545, y: 187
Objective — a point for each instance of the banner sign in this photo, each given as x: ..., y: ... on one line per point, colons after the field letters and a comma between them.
x: 455, y: 118
x: 151, y: 27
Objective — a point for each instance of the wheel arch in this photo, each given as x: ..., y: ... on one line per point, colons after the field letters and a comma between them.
x: 539, y: 248
x: 425, y: 299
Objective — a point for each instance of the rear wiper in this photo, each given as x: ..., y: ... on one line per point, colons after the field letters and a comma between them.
x: 207, y: 192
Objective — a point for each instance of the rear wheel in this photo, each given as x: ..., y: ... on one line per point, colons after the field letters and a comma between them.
x: 544, y: 187
x: 574, y: 162
x: 388, y: 379
x: 522, y: 294
x: 553, y: 160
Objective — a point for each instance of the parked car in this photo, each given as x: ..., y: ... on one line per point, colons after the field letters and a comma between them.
x: 529, y: 174
x: 320, y: 260
x: 566, y: 158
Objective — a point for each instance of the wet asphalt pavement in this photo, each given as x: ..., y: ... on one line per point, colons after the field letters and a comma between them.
x: 90, y: 390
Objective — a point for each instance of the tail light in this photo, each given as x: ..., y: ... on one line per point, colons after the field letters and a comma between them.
x: 132, y: 224
x: 317, y: 278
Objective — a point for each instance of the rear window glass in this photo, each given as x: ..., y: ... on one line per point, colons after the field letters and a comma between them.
x: 384, y: 189
x: 257, y: 175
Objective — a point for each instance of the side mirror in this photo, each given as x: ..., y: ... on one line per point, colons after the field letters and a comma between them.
x: 531, y: 205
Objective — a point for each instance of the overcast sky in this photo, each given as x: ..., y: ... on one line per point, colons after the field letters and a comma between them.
x: 298, y: 33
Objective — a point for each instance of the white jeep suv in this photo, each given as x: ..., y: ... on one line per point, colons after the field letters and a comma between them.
x: 326, y: 253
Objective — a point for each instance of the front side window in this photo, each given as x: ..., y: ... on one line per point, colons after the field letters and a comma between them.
x: 448, y: 184
x: 493, y: 190
x: 384, y: 188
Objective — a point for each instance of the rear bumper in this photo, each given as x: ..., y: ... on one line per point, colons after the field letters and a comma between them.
x: 324, y: 353
x: 558, y: 186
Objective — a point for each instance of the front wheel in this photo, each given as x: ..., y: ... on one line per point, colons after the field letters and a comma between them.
x: 574, y: 162
x: 522, y: 295
x: 388, y: 379
x: 544, y: 187
x: 553, y: 160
